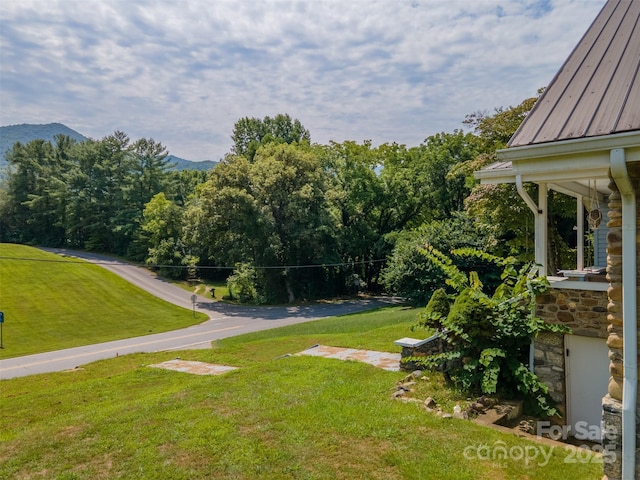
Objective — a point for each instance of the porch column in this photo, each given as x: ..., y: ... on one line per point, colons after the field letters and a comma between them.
x: 540, y: 216
x: 612, y: 403
x: 541, y: 229
x: 580, y: 234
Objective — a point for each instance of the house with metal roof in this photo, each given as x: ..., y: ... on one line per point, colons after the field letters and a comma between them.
x: 582, y: 139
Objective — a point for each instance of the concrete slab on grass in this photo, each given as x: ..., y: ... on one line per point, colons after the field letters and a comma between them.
x: 196, y: 368
x: 384, y: 360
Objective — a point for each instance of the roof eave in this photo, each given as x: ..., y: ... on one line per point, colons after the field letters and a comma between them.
x: 562, y: 161
x: 572, y: 147
x: 503, y: 175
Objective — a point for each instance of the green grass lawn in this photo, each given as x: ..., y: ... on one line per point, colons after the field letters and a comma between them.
x: 274, y: 418
x: 54, y: 303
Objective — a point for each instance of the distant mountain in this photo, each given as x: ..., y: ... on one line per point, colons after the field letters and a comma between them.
x: 182, y: 164
x: 27, y: 132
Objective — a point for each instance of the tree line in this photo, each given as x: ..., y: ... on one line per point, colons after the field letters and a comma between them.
x: 292, y: 219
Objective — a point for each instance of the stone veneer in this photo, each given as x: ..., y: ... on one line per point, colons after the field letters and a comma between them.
x: 611, y: 404
x: 549, y: 366
x: 422, y: 349
x: 585, y: 312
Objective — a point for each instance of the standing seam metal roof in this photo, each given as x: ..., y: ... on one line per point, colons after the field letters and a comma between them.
x: 597, y: 90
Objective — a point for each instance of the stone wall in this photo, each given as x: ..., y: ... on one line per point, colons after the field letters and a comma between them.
x: 549, y: 365
x: 584, y: 311
x: 612, y: 438
x: 420, y: 348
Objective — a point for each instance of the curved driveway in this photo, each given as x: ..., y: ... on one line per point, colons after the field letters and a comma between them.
x: 224, y: 321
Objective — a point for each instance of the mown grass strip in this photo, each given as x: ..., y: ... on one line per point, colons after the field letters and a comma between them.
x: 63, y: 304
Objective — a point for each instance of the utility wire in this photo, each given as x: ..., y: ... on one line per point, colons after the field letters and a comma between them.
x: 212, y: 267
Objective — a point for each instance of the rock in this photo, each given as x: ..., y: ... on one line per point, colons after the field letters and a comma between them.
x: 407, y: 385
x: 477, y: 406
x: 527, y: 426
x: 409, y: 400
x: 416, y: 373
x: 446, y: 415
x: 404, y: 388
x: 462, y: 415
x: 398, y: 393
x: 458, y: 413
x: 487, y: 401
x: 430, y: 403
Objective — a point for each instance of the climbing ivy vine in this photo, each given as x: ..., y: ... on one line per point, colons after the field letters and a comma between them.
x: 489, y: 336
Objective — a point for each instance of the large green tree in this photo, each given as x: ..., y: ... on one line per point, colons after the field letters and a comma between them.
x: 249, y: 133
x: 223, y: 216
x: 387, y: 189
x: 33, y: 207
x: 87, y: 195
x: 380, y: 192
x: 162, y: 232
x: 412, y: 275
x: 273, y: 214
x: 356, y: 203
x: 289, y: 185
x: 441, y: 157
x: 149, y: 171
x: 502, y: 206
x: 97, y: 213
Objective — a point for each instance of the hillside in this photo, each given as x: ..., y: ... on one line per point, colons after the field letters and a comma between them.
x: 51, y: 302
x: 27, y: 132
x: 182, y: 164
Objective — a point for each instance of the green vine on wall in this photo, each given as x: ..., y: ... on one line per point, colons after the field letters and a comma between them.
x: 489, y: 336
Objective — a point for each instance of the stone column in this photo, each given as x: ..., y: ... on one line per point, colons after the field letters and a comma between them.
x: 612, y: 402
x: 614, y: 308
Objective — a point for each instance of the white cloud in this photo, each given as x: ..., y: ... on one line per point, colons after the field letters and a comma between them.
x: 184, y: 72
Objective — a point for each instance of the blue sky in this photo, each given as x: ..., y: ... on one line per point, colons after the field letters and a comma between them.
x: 183, y: 71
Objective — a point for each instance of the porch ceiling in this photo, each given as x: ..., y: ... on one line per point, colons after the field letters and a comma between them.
x: 589, y: 181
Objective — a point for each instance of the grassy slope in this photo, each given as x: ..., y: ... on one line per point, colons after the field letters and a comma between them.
x: 286, y: 418
x: 49, y: 305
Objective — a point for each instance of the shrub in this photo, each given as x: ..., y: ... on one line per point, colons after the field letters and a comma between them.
x: 242, y: 284
x: 437, y: 309
x: 490, y: 336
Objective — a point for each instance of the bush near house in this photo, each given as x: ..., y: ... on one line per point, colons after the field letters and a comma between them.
x: 489, y: 336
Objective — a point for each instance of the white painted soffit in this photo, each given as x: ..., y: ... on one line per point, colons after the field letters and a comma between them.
x: 584, y: 188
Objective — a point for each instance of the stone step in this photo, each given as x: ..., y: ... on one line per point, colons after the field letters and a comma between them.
x: 503, y: 414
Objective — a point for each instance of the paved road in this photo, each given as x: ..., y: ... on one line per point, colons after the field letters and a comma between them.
x: 224, y: 321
